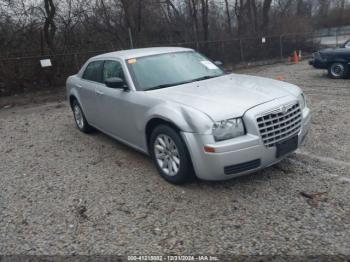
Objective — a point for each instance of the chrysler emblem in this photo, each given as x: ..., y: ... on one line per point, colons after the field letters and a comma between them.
x: 283, y: 109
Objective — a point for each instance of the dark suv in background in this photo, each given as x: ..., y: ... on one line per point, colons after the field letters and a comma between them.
x: 336, y: 61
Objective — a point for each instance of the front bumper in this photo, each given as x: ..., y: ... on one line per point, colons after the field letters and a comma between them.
x: 238, y: 156
x: 318, y: 62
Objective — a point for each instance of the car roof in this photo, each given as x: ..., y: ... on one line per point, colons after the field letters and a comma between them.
x: 140, y: 52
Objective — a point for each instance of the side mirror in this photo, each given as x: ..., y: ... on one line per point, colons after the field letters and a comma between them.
x: 116, y: 82
x: 218, y: 63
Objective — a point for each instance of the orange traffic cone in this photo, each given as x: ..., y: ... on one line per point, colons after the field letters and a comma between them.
x: 295, y: 57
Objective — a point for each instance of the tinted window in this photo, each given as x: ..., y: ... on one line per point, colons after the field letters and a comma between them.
x: 112, y: 69
x: 93, y: 71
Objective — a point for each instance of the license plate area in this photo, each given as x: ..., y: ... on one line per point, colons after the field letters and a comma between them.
x: 287, y: 146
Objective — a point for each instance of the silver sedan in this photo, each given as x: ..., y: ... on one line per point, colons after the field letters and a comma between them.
x: 180, y: 108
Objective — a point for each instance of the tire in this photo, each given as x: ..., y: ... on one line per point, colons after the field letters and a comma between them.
x: 338, y: 70
x: 170, y: 155
x: 80, y: 119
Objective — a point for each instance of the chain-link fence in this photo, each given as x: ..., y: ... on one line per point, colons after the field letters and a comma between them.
x: 25, y: 73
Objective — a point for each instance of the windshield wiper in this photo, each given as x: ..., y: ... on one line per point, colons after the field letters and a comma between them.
x: 158, y: 87
x: 180, y: 83
x: 164, y: 86
x: 201, y: 78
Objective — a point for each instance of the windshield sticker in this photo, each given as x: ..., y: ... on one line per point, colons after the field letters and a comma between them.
x: 132, y: 61
x: 209, y: 65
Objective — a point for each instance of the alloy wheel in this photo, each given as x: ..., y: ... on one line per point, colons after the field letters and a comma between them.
x: 167, y: 155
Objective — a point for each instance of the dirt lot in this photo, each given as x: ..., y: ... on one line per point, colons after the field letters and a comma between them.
x: 63, y: 192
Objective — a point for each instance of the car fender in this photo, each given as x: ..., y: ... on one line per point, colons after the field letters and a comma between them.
x: 185, y: 118
x: 338, y: 60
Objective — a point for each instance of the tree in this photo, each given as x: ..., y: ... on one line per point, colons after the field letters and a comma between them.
x: 193, y: 9
x: 205, y: 21
x: 323, y: 7
x: 49, y: 24
x: 228, y: 16
x: 265, y: 15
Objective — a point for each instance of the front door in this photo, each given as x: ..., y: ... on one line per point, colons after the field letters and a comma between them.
x: 115, y: 105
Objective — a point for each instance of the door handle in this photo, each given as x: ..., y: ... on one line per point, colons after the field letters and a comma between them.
x: 79, y: 86
x: 99, y: 92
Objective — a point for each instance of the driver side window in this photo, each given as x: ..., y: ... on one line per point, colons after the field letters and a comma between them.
x: 112, y: 69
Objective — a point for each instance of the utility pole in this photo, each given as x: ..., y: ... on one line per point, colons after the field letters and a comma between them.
x: 130, y: 38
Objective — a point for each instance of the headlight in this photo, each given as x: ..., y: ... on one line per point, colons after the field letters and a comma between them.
x: 302, y: 101
x: 228, y: 129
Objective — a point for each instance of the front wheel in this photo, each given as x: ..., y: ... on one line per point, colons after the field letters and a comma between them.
x: 338, y: 70
x: 170, y: 155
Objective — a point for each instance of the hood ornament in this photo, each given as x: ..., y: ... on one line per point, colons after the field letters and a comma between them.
x: 283, y: 109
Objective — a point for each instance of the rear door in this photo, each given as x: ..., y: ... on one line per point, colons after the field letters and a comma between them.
x: 90, y: 81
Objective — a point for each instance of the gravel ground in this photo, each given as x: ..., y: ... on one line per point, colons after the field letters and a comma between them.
x: 63, y: 192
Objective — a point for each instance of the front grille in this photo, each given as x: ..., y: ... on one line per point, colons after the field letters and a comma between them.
x: 242, y: 167
x: 279, y: 124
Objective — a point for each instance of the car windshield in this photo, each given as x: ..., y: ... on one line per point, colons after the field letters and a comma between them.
x: 170, y: 69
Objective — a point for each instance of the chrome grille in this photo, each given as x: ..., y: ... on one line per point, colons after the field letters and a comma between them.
x: 279, y: 124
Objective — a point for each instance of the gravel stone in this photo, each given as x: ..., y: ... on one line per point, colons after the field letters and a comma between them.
x: 63, y: 192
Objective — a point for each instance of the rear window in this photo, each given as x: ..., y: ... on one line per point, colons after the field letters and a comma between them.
x: 93, y: 71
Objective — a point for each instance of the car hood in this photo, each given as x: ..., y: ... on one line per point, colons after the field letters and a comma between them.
x: 227, y: 96
x: 335, y: 51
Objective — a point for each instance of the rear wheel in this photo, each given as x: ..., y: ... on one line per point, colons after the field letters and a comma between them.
x: 170, y: 155
x: 338, y: 70
x: 80, y: 119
